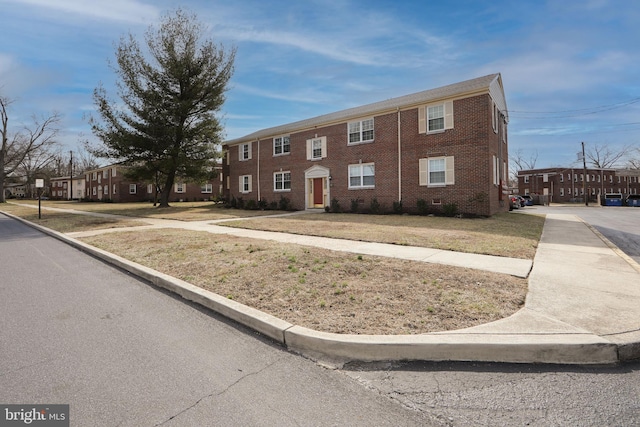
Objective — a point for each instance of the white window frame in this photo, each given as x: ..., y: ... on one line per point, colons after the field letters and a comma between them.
x: 149, y: 188
x: 245, y: 184
x: 133, y: 188
x: 424, y: 117
x: 283, y: 143
x: 114, y: 189
x: 105, y: 191
x: 180, y: 187
x: 94, y: 191
x: 280, y: 181
x: 206, y: 188
x: 362, y: 131
x: 426, y: 165
x: 357, y: 171
x: 314, y: 153
x: 244, y: 152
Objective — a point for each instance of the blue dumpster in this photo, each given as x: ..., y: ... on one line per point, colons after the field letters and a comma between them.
x: 613, y: 199
x: 633, y: 200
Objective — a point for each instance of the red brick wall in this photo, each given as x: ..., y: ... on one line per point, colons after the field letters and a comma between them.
x: 472, y: 142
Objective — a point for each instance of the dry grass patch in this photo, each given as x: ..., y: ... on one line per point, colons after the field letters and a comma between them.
x: 67, y: 222
x: 325, y: 290
x: 181, y: 211
x: 507, y: 234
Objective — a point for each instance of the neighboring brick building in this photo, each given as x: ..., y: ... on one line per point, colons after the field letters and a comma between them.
x: 570, y: 184
x: 438, y: 147
x: 110, y: 183
x: 59, y: 188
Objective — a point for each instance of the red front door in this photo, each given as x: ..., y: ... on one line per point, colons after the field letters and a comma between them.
x: 318, y: 198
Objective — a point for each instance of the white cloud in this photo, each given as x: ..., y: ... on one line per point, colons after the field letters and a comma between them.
x: 112, y: 10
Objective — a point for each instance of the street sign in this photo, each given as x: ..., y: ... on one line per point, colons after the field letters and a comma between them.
x: 39, y: 183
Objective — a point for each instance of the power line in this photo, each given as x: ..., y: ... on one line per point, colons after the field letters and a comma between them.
x: 570, y: 113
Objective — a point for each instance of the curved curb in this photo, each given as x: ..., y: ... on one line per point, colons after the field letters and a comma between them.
x: 336, y: 349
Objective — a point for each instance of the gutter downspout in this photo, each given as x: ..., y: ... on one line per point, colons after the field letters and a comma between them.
x: 399, y: 160
x: 258, y: 183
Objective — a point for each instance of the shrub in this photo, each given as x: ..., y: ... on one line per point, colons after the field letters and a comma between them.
x: 335, y: 206
x: 374, y: 206
x: 397, y: 207
x: 262, y: 204
x: 251, y: 205
x: 423, y: 207
x: 284, y: 204
x: 273, y: 205
x: 354, y: 205
x: 450, y: 209
x: 240, y: 203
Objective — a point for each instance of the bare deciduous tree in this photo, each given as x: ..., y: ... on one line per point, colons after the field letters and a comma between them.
x: 27, y: 141
x: 605, y: 157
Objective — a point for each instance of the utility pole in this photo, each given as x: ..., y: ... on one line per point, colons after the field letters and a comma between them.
x: 584, y: 180
x: 71, y: 176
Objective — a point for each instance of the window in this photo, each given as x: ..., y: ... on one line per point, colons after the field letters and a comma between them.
x: 244, y: 152
x: 106, y: 190
x: 245, y: 184
x: 435, y: 118
x: 282, y: 181
x: 496, y: 171
x: 94, y: 192
x: 100, y: 178
x: 317, y: 148
x: 437, y: 171
x: 133, y: 188
x: 149, y: 188
x: 561, y: 178
x: 113, y: 172
x: 362, y: 175
x: 180, y: 187
x: 561, y: 192
x: 495, y: 114
x: 526, y: 179
x: 361, y: 131
x: 114, y: 189
x: 206, y: 188
x: 281, y: 145
x: 94, y: 176
x: 105, y: 173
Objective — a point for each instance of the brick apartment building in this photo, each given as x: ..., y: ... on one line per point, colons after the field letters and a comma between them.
x: 562, y: 185
x: 60, y: 188
x: 110, y: 183
x: 441, y: 147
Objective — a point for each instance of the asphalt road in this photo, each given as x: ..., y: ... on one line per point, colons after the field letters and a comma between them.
x: 492, y: 394
x: 122, y: 353
x: 621, y: 225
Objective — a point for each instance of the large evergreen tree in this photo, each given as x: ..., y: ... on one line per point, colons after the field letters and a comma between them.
x: 165, y: 125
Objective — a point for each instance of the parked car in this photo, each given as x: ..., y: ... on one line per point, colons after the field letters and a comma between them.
x: 528, y: 200
x: 514, y: 202
x: 522, y: 201
x: 633, y: 200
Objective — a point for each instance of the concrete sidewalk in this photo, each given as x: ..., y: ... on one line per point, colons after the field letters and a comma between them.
x: 581, y: 308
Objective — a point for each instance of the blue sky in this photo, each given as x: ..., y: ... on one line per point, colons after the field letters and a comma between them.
x: 571, y: 68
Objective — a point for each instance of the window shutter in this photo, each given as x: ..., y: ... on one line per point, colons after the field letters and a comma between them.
x: 449, y: 176
x: 422, y: 120
x: 309, y: 148
x: 448, y: 115
x: 250, y: 184
x: 240, y: 152
x: 240, y: 184
x: 324, y: 147
x: 424, y: 171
